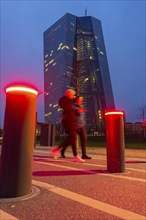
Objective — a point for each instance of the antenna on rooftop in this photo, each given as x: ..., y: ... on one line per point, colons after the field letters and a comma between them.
x: 86, y: 11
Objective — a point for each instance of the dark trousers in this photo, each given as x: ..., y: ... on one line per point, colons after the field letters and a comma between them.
x: 70, y: 139
x: 83, y: 138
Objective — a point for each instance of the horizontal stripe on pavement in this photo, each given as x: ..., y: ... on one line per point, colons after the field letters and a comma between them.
x: 6, y: 216
x: 104, y: 207
x: 92, y: 172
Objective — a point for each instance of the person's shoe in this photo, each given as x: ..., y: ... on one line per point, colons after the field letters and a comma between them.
x: 62, y: 154
x: 54, y: 152
x: 86, y: 157
x: 78, y: 159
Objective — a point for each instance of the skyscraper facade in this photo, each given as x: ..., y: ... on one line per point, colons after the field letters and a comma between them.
x: 75, y: 57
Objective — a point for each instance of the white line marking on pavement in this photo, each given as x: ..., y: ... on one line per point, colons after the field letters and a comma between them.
x: 124, y: 177
x: 126, y: 158
x: 105, y: 166
x: 66, y: 167
x: 104, y: 207
x: 6, y: 216
x: 98, y: 165
x: 136, y: 169
x: 93, y: 172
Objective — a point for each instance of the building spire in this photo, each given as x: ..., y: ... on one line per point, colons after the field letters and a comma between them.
x: 86, y: 11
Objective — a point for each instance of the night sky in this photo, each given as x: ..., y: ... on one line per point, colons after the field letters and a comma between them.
x: 123, y: 23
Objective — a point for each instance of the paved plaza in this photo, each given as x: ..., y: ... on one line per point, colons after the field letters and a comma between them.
x: 64, y: 190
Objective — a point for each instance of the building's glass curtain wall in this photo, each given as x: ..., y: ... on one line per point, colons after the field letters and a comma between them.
x: 58, y: 56
x: 75, y: 56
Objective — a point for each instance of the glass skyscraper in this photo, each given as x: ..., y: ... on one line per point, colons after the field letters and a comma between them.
x: 75, y: 57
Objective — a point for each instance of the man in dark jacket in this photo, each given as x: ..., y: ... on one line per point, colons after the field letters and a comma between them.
x: 69, y: 122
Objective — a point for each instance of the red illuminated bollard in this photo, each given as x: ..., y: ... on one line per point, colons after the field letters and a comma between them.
x: 18, y: 142
x: 144, y: 130
x: 115, y: 143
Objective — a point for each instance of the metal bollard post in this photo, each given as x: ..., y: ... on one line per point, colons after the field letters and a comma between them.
x: 52, y: 135
x: 44, y: 135
x: 115, y: 143
x: 49, y: 134
x: 144, y: 130
x: 18, y: 142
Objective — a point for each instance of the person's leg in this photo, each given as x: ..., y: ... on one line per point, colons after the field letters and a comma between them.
x: 70, y: 139
x: 64, y: 148
x: 63, y: 152
x: 63, y: 145
x: 83, y: 137
x: 72, y: 135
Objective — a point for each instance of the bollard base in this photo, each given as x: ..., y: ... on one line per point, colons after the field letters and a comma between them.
x: 34, y: 192
x: 120, y: 173
x: 115, y: 166
x: 116, y: 171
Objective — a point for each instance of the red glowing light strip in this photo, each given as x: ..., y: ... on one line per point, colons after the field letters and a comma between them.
x: 114, y: 113
x: 24, y: 89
